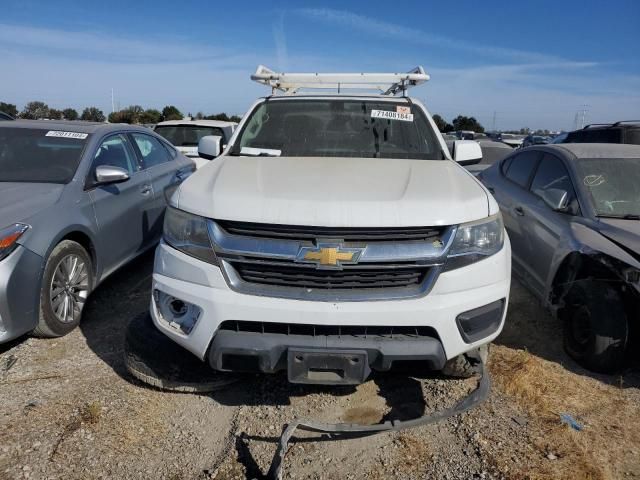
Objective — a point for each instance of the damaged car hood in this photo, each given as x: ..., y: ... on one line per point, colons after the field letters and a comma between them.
x: 355, y: 192
x: 624, y: 233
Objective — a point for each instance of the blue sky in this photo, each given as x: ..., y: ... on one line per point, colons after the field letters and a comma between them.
x: 534, y: 64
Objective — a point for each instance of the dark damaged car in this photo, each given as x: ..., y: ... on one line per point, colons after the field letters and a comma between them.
x: 573, y: 215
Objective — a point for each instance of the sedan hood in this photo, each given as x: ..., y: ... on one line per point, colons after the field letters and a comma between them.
x: 626, y: 233
x: 346, y: 192
x: 20, y: 201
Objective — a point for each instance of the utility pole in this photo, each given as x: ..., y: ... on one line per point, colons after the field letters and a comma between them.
x: 584, y: 115
x: 113, y: 104
x: 493, y: 128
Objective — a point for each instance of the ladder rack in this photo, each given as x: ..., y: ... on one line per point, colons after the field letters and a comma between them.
x: 386, y: 83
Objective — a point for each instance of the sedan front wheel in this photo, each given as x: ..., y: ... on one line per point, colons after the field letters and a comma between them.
x: 66, y: 285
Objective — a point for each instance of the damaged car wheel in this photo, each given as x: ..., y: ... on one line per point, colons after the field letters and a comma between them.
x: 595, y: 326
x: 468, y: 364
x: 154, y: 359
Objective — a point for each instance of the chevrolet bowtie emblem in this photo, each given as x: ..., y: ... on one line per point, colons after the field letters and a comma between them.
x: 329, y: 255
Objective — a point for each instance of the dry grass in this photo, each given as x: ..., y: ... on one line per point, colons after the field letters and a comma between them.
x: 606, y: 448
x: 91, y: 412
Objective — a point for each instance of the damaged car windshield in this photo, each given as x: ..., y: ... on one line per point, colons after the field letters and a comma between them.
x: 39, y: 155
x: 338, y: 128
x: 613, y: 185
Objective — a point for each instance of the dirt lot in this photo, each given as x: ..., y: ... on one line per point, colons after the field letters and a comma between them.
x: 68, y: 410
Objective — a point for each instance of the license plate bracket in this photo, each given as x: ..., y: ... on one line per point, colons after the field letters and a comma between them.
x: 327, y: 367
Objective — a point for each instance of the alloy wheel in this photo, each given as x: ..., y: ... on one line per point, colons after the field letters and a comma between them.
x: 69, y: 288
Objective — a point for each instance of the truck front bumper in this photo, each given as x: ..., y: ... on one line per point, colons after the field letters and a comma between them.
x: 456, y: 314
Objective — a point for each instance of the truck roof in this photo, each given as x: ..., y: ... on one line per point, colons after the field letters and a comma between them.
x: 204, y: 123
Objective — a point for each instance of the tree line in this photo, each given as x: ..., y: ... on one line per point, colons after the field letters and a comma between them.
x: 133, y: 114
x: 461, y: 122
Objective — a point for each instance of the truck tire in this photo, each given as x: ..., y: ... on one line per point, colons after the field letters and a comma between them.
x: 67, y: 281
x: 468, y: 364
x: 156, y: 360
x: 596, y: 329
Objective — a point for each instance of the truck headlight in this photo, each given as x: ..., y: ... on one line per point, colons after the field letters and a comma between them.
x: 189, y: 234
x: 475, y: 241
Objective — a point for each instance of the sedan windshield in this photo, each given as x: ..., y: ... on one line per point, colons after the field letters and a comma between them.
x: 186, y: 135
x: 35, y: 155
x: 338, y: 128
x: 613, y: 185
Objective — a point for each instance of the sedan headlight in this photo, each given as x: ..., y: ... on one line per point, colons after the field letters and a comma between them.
x: 189, y: 234
x: 9, y: 238
x: 475, y: 241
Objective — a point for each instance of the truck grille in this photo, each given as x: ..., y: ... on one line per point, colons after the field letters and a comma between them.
x: 393, y: 263
x: 348, y: 278
x: 375, y: 332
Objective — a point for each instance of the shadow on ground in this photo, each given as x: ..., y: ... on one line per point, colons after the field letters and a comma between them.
x: 116, y: 301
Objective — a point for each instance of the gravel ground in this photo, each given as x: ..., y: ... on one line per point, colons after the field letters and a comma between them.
x: 69, y: 410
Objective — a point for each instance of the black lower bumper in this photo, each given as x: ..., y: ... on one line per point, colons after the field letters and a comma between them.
x: 322, y: 359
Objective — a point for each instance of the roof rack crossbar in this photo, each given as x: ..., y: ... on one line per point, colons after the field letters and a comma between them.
x: 386, y: 83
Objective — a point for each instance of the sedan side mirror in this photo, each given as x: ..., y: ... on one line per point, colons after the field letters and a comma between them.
x: 210, y: 147
x: 556, y: 198
x: 106, y: 174
x: 467, y: 152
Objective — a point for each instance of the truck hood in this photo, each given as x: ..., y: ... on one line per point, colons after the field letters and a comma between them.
x: 342, y: 192
x: 20, y: 201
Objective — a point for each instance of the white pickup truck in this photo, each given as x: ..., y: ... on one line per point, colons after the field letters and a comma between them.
x: 334, y: 235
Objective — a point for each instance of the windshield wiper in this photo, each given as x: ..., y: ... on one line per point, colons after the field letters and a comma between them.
x: 626, y: 216
x: 260, y: 152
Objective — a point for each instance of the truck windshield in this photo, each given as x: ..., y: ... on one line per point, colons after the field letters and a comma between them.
x: 186, y: 135
x: 613, y: 185
x: 38, y: 155
x: 338, y: 128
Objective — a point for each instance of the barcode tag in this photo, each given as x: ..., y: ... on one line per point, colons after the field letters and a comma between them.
x: 389, y: 115
x: 58, y: 133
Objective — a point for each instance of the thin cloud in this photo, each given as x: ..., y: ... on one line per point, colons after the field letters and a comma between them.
x: 380, y: 28
x: 106, y: 47
x: 281, y: 43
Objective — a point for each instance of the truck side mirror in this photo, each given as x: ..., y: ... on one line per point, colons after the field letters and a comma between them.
x: 210, y: 147
x: 467, y: 152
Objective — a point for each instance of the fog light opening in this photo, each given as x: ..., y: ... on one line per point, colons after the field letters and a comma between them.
x: 178, y: 307
x: 178, y: 314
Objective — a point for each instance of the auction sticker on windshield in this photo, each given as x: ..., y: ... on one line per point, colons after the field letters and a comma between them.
x: 389, y: 115
x: 57, y: 133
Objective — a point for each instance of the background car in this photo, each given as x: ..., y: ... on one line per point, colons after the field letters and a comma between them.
x: 534, y: 140
x: 77, y: 201
x: 560, y: 138
x: 5, y: 116
x: 573, y: 215
x: 186, y: 134
x: 619, y: 132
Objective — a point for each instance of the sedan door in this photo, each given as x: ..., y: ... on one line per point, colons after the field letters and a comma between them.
x: 545, y: 228
x: 165, y: 170
x: 511, y: 191
x: 120, y: 208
